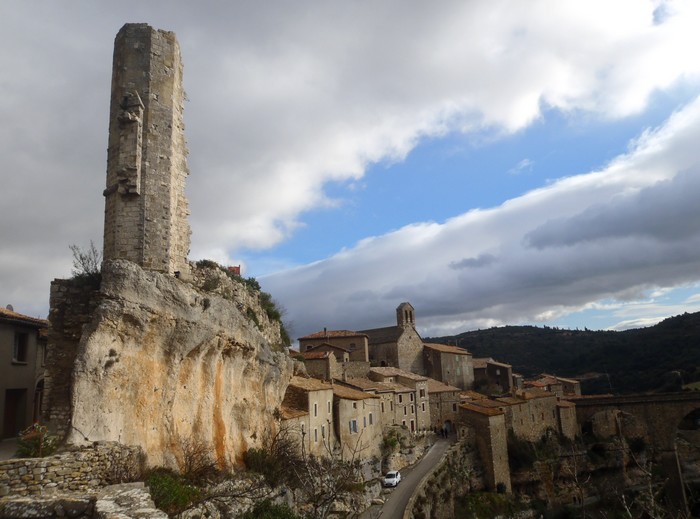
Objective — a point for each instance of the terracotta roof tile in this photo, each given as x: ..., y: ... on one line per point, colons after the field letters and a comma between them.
x: 481, y: 410
x: 435, y: 386
x: 12, y: 316
x: 383, y: 335
x: 315, y: 355
x: 445, y: 348
x: 389, y: 371
x: 349, y: 393
x: 309, y: 384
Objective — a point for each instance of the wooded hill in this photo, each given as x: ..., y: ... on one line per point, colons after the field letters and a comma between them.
x: 663, y: 357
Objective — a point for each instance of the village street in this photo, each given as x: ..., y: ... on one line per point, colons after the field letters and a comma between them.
x: 398, y: 498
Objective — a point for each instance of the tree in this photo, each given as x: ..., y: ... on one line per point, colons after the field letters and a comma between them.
x: 87, y: 264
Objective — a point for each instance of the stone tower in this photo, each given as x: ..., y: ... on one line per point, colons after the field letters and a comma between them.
x: 405, y: 316
x: 145, y: 205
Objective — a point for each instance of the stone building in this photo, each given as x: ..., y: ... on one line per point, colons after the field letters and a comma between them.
x: 485, y: 426
x: 558, y: 385
x: 449, y: 364
x: 145, y: 205
x: 491, y: 375
x: 413, y: 412
x: 355, y: 343
x: 22, y: 349
x: 393, y: 397
x: 307, y: 410
x: 444, y: 404
x: 398, y: 346
x: 321, y: 364
x: 358, y: 423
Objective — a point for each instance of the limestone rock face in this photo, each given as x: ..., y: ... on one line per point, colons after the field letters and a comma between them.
x: 163, y: 362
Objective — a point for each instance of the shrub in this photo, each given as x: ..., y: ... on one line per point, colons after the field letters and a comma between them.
x: 36, y: 442
x: 170, y: 492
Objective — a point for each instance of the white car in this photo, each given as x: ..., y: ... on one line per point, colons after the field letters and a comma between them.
x: 392, y: 478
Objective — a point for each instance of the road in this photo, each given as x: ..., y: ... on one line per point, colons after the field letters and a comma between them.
x: 395, y: 504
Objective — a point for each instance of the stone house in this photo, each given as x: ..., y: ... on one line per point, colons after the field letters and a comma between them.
x: 484, y: 426
x: 321, y: 364
x: 392, y: 397
x: 358, y: 422
x: 444, y: 404
x: 497, y: 376
x: 558, y: 385
x: 354, y: 343
x: 22, y: 354
x: 530, y: 414
x: 449, y: 364
x: 307, y: 410
x: 414, y: 413
x: 398, y: 346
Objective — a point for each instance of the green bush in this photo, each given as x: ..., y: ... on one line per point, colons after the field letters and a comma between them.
x: 268, y: 510
x: 36, y: 442
x: 170, y: 492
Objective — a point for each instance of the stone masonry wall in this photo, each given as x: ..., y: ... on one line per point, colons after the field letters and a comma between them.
x: 145, y: 205
x: 72, y: 304
x: 83, y: 470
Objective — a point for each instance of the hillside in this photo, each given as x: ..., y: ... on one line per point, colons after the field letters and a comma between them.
x: 638, y: 360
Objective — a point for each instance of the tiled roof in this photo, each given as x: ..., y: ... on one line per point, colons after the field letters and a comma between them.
x: 510, y: 400
x: 481, y: 363
x: 383, y: 335
x: 309, y: 384
x: 349, y: 393
x: 472, y: 395
x: 315, y: 355
x: 289, y: 413
x: 445, y: 348
x: 488, y: 411
x: 561, y: 379
x: 389, y: 371
x: 365, y: 384
x: 15, y: 317
x: 435, y: 386
x: 328, y: 345
x: 534, y: 393
x: 332, y: 334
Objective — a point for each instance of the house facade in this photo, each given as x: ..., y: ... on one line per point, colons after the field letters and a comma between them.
x: 358, y: 423
x: 307, y: 410
x: 449, y: 364
x: 22, y: 353
x: 414, y: 411
x: 354, y: 343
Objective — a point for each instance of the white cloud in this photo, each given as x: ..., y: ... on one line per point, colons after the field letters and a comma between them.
x: 287, y: 97
x: 615, y: 234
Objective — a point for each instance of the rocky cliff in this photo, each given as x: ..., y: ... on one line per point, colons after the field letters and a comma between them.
x: 162, y: 362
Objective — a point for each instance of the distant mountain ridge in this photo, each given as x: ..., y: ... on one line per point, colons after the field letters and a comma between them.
x: 662, y: 357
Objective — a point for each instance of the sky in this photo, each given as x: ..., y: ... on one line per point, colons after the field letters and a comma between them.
x: 491, y: 163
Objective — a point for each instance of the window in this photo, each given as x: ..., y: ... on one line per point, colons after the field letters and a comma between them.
x: 353, y: 426
x: 413, y: 410
x: 382, y: 407
x: 411, y: 397
x: 329, y: 406
x: 315, y: 409
x: 316, y: 435
x: 423, y: 407
x: 400, y: 399
x: 352, y: 346
x: 323, y: 431
x: 364, y: 421
x: 19, y: 352
x: 405, y: 411
x: 498, y: 372
x: 370, y: 419
x: 302, y: 430
x: 422, y: 393
x: 454, y: 408
x: 391, y: 406
x: 354, y: 405
x: 403, y: 422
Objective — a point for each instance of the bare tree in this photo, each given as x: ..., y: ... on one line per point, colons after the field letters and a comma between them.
x: 86, y: 262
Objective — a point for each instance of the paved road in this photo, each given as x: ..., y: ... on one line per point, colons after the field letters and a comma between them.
x: 395, y: 504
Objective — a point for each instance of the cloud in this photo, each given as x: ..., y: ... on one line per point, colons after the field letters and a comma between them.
x: 613, y: 234
x: 523, y: 165
x: 287, y: 98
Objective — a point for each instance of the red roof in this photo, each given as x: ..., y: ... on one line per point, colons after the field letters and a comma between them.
x: 446, y: 348
x: 10, y: 315
x: 333, y: 334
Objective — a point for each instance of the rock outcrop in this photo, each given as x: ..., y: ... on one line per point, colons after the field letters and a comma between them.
x: 163, y: 362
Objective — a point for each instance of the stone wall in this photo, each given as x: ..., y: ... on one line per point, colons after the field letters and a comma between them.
x: 72, y: 303
x: 81, y: 470
x: 145, y: 205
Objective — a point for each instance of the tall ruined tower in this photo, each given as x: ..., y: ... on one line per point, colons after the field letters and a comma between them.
x: 145, y: 205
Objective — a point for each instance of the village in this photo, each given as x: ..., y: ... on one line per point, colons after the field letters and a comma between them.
x: 362, y: 382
